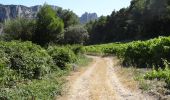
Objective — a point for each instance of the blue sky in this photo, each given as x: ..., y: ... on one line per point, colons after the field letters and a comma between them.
x: 101, y: 7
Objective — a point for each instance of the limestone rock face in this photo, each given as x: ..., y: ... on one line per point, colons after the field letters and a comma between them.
x: 14, y: 11
x: 86, y: 17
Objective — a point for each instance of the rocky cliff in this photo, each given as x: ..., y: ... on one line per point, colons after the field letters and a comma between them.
x: 86, y: 17
x: 14, y: 11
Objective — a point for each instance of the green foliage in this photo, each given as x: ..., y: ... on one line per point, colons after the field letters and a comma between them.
x: 160, y: 74
x: 6, y: 37
x: 69, y: 17
x: 49, y: 27
x: 30, y: 72
x: 45, y: 89
x: 102, y: 49
x: 143, y: 19
x: 62, y: 56
x: 82, y: 60
x: 154, y: 52
x: 77, y: 49
x: 97, y: 30
x: 144, y: 85
x: 7, y: 75
x: 75, y: 35
x: 20, y: 29
x: 137, y: 53
x: 23, y: 61
x: 1, y: 28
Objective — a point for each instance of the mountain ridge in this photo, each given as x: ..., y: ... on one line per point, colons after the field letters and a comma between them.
x: 13, y: 11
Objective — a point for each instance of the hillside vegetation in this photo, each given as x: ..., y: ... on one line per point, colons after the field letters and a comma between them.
x: 36, y: 54
x: 30, y: 71
x: 152, y: 53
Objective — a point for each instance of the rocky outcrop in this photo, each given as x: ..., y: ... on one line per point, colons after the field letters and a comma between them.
x: 14, y: 11
x: 86, y: 17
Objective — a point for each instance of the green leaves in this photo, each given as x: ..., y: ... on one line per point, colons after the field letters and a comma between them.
x: 28, y: 71
x: 69, y: 18
x: 20, y: 29
x: 75, y: 35
x: 160, y: 74
x: 154, y: 52
x: 62, y: 56
x: 49, y: 27
x: 26, y: 59
x: 137, y: 53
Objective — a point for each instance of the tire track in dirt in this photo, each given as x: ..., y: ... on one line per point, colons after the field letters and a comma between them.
x: 123, y: 93
x: 100, y: 82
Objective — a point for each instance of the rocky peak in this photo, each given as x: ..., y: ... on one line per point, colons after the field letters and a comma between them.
x: 14, y: 11
x: 86, y: 17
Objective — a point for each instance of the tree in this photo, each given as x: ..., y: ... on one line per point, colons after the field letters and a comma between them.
x: 97, y: 30
x: 49, y: 27
x: 20, y: 29
x: 75, y: 35
x: 69, y: 17
x: 143, y: 19
x: 155, y: 19
x: 1, y: 28
x: 89, y: 26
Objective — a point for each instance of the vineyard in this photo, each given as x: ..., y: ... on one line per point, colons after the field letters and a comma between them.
x: 49, y: 52
x: 27, y: 68
x: 152, y: 53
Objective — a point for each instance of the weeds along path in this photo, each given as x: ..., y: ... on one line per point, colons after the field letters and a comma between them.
x: 99, y: 82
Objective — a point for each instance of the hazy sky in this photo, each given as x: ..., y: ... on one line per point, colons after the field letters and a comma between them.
x: 101, y: 7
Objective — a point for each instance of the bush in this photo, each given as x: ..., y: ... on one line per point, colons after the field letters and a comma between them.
x: 138, y: 53
x: 160, y: 74
x: 20, y: 29
x: 27, y: 60
x: 27, y: 71
x: 77, y: 49
x: 6, y: 74
x: 75, y: 35
x: 45, y: 89
x: 62, y: 56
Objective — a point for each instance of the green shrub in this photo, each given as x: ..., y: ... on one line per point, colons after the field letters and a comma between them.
x: 160, y: 74
x: 26, y: 59
x: 75, y: 35
x: 19, y: 29
x: 77, y: 49
x: 138, y: 53
x: 28, y: 71
x: 62, y: 56
x: 154, y: 52
x: 7, y: 75
x: 45, y: 89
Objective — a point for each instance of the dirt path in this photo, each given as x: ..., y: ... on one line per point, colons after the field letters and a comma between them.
x: 99, y: 82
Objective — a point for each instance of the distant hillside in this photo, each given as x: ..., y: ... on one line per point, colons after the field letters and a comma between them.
x: 14, y: 11
x: 86, y: 17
